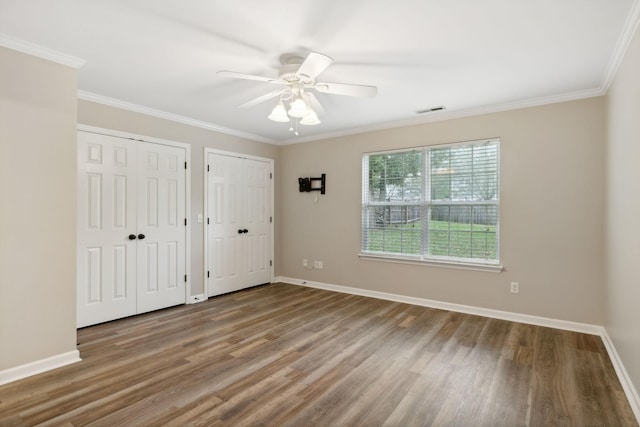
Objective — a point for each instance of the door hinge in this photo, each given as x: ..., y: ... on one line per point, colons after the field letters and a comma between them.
x: 185, y: 277
x: 207, y: 168
x: 270, y: 263
x: 185, y: 221
x: 185, y: 165
x: 270, y: 175
x: 208, y: 273
x: 207, y: 221
x: 270, y: 219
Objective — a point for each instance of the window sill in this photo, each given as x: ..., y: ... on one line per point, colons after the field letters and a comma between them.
x: 494, y: 268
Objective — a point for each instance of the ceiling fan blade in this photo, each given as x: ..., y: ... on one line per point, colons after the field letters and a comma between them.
x: 346, y: 89
x: 262, y: 98
x: 315, y: 104
x: 235, y: 75
x: 315, y: 64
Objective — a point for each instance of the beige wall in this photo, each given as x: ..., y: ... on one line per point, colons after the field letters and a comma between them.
x: 93, y: 114
x: 552, y: 226
x: 622, y: 301
x: 37, y: 209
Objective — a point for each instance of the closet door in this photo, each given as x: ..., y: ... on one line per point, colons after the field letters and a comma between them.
x: 238, y: 203
x: 131, y: 227
x: 257, y: 222
x: 106, y: 217
x: 225, y: 232
x: 161, y: 227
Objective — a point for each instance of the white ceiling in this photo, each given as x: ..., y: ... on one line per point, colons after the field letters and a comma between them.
x: 161, y: 56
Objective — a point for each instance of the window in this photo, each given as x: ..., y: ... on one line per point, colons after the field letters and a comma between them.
x: 438, y: 203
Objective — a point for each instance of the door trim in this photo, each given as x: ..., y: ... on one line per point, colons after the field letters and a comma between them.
x: 187, y: 148
x: 208, y: 151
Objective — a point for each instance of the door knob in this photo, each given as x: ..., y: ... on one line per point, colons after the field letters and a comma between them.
x: 140, y: 236
x: 132, y: 237
x: 240, y: 231
x: 245, y: 231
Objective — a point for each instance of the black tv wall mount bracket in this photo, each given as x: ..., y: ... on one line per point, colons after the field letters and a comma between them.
x: 313, y: 184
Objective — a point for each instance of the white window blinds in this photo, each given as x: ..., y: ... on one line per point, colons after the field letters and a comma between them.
x: 439, y: 202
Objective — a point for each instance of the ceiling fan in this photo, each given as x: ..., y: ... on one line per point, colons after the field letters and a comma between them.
x: 297, y: 77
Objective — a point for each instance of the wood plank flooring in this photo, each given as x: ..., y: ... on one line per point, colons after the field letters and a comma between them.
x: 287, y: 355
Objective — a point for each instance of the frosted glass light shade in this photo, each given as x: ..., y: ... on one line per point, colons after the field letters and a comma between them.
x: 310, y: 119
x: 279, y: 114
x: 298, y: 108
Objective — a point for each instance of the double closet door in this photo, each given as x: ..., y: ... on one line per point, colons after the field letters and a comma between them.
x: 239, y: 222
x: 131, y: 227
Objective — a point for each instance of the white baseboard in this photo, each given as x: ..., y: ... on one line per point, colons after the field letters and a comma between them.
x: 627, y: 385
x: 39, y: 366
x: 459, y: 308
x: 193, y: 299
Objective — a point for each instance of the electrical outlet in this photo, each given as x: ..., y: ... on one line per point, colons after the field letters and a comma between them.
x: 515, y: 287
x: 316, y: 264
x: 305, y: 263
x: 320, y: 265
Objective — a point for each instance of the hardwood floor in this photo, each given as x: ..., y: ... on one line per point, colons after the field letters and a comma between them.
x: 288, y: 355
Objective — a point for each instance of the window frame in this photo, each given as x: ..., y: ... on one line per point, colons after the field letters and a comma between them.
x: 425, y: 204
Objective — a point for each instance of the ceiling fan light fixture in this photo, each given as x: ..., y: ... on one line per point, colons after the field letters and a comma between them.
x: 310, y: 119
x: 298, y: 108
x: 296, y: 77
x: 279, y: 113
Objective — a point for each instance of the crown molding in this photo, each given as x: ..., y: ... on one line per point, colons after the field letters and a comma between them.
x: 40, y: 52
x: 453, y: 114
x: 429, y: 118
x: 624, y: 40
x: 88, y: 96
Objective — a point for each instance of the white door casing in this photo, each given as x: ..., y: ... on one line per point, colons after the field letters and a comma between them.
x: 128, y: 188
x: 238, y: 197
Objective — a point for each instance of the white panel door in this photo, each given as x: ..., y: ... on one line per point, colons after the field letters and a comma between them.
x: 131, y: 255
x: 161, y: 227
x: 106, y: 257
x: 257, y: 214
x: 224, y: 209
x: 238, y: 225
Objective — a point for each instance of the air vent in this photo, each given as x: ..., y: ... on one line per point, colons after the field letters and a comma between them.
x: 431, y: 110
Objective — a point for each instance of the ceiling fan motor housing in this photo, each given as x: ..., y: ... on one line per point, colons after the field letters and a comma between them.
x: 290, y: 65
